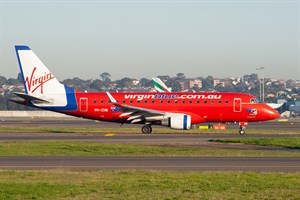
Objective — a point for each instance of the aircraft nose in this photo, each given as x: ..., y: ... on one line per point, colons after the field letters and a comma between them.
x: 272, y: 113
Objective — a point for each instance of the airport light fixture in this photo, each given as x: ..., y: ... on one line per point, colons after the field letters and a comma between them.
x: 262, y: 93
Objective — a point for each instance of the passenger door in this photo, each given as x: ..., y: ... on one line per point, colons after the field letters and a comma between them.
x: 237, y: 105
x: 83, y: 104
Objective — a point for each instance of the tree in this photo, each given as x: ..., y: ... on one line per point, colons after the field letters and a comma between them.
x: 105, y: 76
x: 125, y: 83
x: 195, y: 88
x: 180, y: 76
x: 20, y: 78
x: 165, y: 77
x: 176, y: 86
x: 208, y: 83
x: 2, y: 80
x: 254, y: 76
x: 241, y: 87
x: 12, y: 81
x: 96, y: 84
x: 145, y: 82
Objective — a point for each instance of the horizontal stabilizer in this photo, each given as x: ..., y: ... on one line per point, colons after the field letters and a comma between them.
x: 28, y: 97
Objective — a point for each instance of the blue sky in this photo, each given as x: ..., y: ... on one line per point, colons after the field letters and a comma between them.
x: 148, y: 38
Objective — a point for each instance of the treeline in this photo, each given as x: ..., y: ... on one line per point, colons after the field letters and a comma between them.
x: 247, y: 84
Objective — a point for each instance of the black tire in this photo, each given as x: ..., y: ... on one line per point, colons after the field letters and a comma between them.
x: 146, y: 129
x: 242, y: 132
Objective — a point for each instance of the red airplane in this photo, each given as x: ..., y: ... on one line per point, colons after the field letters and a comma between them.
x: 174, y: 110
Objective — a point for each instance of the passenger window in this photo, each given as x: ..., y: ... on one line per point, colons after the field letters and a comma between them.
x: 176, y: 101
x: 169, y: 101
x: 101, y: 101
x: 95, y: 101
x: 161, y: 101
x: 220, y: 101
x: 138, y: 101
x: 124, y: 101
x: 197, y: 102
x: 130, y: 101
x: 145, y: 101
x: 191, y: 101
x: 152, y: 101
x: 183, y: 101
x: 226, y: 101
x: 204, y: 101
x: 109, y: 101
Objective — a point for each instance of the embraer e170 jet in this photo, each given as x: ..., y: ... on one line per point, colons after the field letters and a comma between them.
x: 174, y: 110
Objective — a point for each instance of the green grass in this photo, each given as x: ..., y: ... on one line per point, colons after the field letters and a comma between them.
x: 76, y: 148
x: 59, y: 184
x: 134, y: 130
x: 288, y: 142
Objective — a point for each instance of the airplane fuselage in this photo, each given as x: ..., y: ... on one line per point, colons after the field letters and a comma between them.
x: 202, y: 107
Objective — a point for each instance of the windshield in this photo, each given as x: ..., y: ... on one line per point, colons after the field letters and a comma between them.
x: 254, y: 101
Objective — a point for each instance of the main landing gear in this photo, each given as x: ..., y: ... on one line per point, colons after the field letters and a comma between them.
x: 243, y: 127
x: 147, y: 129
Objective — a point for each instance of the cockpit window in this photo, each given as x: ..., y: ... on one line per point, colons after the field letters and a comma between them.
x: 254, y: 101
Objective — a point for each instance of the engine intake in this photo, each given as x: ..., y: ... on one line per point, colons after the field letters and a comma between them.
x: 179, y: 121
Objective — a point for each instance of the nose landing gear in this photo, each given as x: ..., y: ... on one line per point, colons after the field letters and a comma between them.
x: 242, y: 130
x: 242, y: 127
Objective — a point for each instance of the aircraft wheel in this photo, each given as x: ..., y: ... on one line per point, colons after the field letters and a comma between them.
x: 242, y: 132
x: 146, y: 129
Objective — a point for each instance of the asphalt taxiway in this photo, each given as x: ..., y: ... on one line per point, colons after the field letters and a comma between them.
x: 274, y: 164
x: 281, y: 164
x: 283, y: 124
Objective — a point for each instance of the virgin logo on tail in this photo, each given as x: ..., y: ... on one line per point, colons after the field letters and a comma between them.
x: 33, y: 83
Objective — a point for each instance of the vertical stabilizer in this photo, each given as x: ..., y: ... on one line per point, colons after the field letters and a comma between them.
x: 160, y: 85
x: 38, y: 80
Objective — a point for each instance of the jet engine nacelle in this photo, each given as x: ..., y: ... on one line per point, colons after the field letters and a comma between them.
x: 178, y: 121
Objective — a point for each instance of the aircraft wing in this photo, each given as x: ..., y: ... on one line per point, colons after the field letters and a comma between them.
x: 138, y: 114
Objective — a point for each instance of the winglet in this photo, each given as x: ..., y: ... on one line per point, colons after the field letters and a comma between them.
x: 111, y: 98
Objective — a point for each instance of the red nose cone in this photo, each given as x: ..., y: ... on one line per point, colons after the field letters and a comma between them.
x: 273, y: 114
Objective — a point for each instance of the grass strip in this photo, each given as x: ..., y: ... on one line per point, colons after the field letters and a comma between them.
x: 288, y: 142
x: 135, y: 130
x: 61, y: 184
x: 78, y: 148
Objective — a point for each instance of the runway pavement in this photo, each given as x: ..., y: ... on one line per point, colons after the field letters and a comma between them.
x: 291, y: 124
x: 262, y: 164
x: 175, y: 140
x: 281, y: 164
x: 131, y: 138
